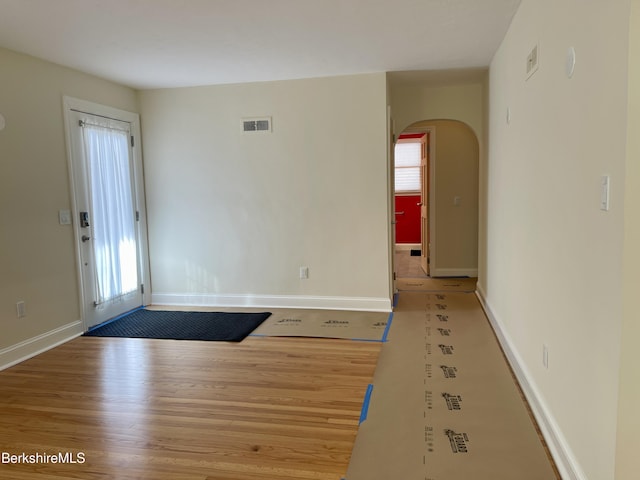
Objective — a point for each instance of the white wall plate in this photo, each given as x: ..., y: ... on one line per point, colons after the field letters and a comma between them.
x: 571, y: 62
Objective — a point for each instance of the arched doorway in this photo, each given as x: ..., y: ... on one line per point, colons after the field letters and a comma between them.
x: 448, y: 202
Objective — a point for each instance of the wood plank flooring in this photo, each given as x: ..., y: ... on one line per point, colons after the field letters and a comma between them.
x: 407, y: 266
x: 266, y: 408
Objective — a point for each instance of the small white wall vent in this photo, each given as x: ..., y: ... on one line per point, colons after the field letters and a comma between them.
x: 256, y: 124
x: 532, y: 61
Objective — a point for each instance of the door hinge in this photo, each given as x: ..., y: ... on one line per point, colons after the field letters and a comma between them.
x: 132, y: 140
x: 137, y: 216
x: 142, y: 288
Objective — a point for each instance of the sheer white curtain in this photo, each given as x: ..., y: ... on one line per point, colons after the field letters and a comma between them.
x: 114, y: 235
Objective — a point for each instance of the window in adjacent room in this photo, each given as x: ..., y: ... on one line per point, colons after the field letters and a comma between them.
x: 407, y: 167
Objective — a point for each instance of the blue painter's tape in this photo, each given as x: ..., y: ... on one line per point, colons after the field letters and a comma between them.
x: 386, y: 329
x: 365, y: 404
x: 395, y: 300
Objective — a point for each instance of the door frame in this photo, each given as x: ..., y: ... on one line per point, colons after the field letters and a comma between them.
x: 74, y: 104
x: 391, y: 204
x: 430, y: 131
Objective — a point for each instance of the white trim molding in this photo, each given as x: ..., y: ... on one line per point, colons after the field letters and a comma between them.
x: 407, y: 246
x: 454, y: 272
x: 273, y: 301
x: 561, y: 451
x: 31, y: 347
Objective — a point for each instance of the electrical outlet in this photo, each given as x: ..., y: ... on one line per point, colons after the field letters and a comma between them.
x: 304, y: 273
x: 545, y: 356
x: 605, y: 183
x: 21, y: 309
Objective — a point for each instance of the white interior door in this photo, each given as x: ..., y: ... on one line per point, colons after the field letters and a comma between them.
x: 425, y: 238
x: 107, y: 215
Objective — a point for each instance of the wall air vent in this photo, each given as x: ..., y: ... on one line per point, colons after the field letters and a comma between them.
x: 257, y: 124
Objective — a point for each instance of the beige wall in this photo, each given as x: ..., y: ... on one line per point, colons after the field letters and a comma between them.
x: 232, y: 216
x: 456, y: 110
x: 553, y: 258
x: 627, y: 465
x: 37, y: 255
x: 415, y: 101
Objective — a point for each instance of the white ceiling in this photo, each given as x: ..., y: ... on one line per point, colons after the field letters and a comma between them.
x: 175, y: 43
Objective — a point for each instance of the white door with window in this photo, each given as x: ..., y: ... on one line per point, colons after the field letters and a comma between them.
x: 108, y: 209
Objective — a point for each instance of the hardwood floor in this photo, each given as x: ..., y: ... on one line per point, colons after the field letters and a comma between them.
x: 407, y: 266
x: 266, y: 408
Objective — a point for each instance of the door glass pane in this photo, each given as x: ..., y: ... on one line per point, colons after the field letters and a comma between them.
x: 114, y: 234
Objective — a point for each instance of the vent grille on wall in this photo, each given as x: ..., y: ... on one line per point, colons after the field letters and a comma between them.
x: 262, y: 124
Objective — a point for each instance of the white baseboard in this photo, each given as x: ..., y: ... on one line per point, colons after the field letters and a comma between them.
x: 453, y: 272
x: 408, y: 246
x: 31, y: 347
x: 273, y: 301
x: 560, y: 449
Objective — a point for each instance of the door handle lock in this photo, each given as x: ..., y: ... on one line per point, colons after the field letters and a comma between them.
x: 84, y: 219
x: 86, y: 238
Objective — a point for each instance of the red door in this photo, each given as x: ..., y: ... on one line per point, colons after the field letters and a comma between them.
x: 408, y: 219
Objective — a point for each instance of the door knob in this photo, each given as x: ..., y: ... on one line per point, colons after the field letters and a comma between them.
x: 86, y: 238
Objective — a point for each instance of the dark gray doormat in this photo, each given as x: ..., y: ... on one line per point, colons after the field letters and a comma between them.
x: 212, y: 326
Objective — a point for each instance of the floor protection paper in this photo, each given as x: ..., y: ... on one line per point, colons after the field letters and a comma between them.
x: 444, y: 405
x: 426, y: 284
x: 352, y: 325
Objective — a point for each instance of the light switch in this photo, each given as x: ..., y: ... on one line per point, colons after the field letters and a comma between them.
x: 604, y: 192
x: 65, y: 217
